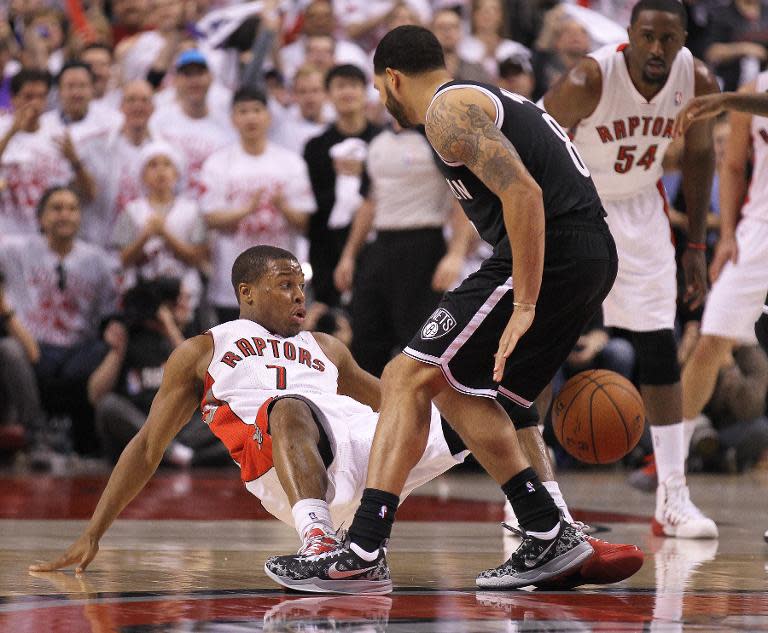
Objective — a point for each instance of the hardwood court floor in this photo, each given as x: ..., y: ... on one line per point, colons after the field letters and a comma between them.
x: 188, y: 556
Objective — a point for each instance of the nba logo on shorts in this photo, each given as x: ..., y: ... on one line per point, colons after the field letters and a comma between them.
x: 678, y: 98
x: 440, y: 323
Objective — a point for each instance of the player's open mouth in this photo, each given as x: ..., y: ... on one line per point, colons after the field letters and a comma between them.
x: 299, y: 315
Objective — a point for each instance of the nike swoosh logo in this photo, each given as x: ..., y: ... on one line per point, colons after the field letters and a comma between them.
x: 337, y: 574
x: 532, y: 563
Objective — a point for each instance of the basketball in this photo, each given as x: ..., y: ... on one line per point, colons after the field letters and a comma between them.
x: 598, y: 416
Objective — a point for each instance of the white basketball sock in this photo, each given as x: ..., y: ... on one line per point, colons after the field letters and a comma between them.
x: 689, y: 426
x: 309, y: 512
x: 669, y: 450
x: 554, y: 491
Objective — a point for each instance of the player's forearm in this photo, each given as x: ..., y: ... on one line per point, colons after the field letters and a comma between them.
x: 754, y: 103
x: 698, y: 170
x: 136, y: 465
x: 525, y: 224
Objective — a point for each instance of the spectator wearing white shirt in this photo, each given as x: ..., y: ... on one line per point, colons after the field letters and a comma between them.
x: 99, y: 58
x: 61, y: 288
x: 487, y: 45
x: 308, y: 116
x: 33, y: 155
x: 89, y: 128
x: 256, y: 192
x: 188, y: 123
x: 319, y: 20
x: 125, y: 145
x: 162, y: 234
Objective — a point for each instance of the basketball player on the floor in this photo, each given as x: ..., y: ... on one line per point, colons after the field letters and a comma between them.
x: 523, y: 185
x: 739, y: 270
x: 622, y: 104
x: 292, y: 407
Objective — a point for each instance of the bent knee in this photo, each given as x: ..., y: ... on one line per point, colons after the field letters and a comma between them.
x: 290, y: 415
x: 407, y: 374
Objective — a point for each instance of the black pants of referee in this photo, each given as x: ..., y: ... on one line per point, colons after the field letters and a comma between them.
x: 392, y: 293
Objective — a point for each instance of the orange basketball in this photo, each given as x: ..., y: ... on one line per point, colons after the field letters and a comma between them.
x: 598, y: 416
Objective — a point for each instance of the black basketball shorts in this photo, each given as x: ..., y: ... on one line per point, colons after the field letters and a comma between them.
x: 463, y: 333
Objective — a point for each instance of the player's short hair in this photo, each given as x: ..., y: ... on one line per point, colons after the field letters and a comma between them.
x: 410, y: 49
x: 73, y: 65
x: 28, y: 76
x: 253, y: 262
x: 668, y: 6
x: 345, y: 71
x: 49, y: 193
x: 248, y: 93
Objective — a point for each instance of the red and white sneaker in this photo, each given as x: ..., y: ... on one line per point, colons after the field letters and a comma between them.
x: 318, y: 541
x: 610, y: 563
x: 676, y: 515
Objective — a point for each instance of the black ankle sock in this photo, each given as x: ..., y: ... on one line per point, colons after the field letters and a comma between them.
x: 533, y: 506
x: 373, y: 520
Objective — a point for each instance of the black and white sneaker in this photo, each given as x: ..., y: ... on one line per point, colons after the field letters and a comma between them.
x: 340, y: 570
x: 537, y: 560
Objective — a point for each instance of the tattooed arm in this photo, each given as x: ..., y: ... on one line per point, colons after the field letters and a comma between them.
x: 460, y: 126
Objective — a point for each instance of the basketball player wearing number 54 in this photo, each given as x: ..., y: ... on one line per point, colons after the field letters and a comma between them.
x: 622, y: 102
x: 503, y: 332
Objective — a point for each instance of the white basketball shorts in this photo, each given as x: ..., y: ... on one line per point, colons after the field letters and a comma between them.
x: 736, y: 298
x: 644, y: 295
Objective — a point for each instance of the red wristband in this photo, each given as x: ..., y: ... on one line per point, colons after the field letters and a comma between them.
x: 697, y: 246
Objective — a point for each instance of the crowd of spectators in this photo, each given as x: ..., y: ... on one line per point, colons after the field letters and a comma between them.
x: 145, y: 143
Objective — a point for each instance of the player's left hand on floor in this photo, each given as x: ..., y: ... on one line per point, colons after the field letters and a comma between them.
x: 80, y: 553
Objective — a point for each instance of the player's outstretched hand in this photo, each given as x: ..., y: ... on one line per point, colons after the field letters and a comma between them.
x: 80, y: 554
x: 518, y: 325
x: 697, y: 108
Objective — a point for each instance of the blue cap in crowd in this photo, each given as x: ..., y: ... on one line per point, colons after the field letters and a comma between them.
x: 190, y: 58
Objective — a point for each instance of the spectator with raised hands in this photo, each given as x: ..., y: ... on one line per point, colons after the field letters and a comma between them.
x: 34, y: 155
x: 161, y: 234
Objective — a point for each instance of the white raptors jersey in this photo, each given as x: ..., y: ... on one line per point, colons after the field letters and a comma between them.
x: 756, y: 204
x: 624, y: 140
x: 250, y: 366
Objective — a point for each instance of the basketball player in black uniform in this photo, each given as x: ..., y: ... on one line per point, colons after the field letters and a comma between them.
x: 504, y: 331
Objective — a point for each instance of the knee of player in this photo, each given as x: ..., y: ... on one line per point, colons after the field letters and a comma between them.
x: 291, y: 419
x: 404, y: 374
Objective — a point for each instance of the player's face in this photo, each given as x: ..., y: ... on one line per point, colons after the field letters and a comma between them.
x: 60, y: 218
x: 393, y: 106
x: 655, y: 39
x: 278, y: 298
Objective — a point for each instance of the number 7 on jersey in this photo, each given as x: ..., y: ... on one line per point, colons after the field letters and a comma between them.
x: 280, y: 378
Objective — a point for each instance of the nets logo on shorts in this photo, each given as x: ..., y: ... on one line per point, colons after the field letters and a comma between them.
x: 439, y: 324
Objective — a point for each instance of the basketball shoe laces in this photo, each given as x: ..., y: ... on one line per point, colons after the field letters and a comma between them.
x: 318, y: 541
x: 678, y: 507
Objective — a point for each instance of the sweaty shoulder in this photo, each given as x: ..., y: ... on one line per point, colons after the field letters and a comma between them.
x: 704, y: 79
x: 576, y: 94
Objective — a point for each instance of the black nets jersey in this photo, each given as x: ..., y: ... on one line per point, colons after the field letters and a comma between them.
x: 547, y: 153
